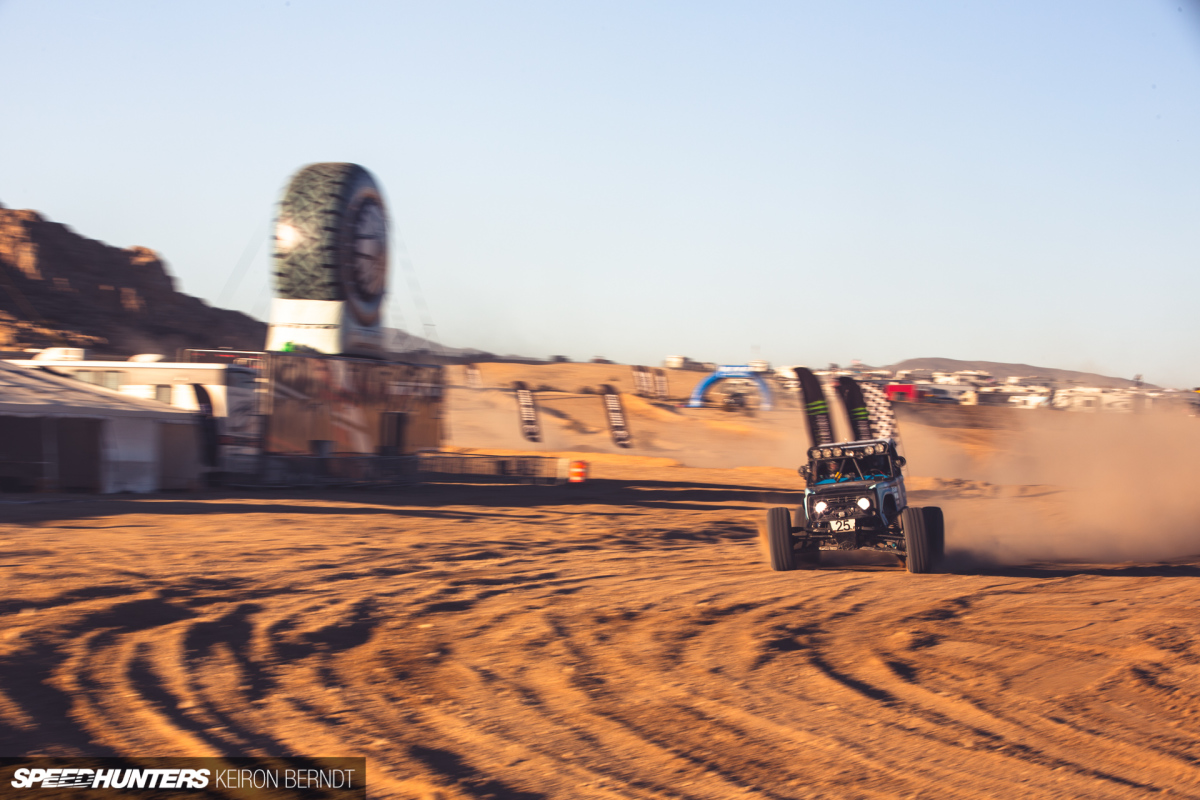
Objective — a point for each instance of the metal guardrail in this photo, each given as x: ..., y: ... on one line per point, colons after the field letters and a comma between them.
x: 482, y: 468
x: 304, y: 471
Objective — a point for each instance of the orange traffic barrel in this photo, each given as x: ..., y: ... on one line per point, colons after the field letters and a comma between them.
x: 577, y: 472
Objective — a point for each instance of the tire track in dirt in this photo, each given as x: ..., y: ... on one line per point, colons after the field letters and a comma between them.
x: 526, y: 642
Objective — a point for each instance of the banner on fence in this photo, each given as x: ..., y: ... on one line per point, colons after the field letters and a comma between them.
x: 643, y: 383
x: 527, y: 408
x: 615, y: 413
x: 662, y: 389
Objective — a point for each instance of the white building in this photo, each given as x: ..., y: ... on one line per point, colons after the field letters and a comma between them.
x: 60, y: 434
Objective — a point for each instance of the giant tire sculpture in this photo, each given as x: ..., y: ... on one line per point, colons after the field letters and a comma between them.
x: 331, y: 239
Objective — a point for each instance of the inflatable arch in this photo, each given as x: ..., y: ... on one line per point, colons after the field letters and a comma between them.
x: 697, y: 398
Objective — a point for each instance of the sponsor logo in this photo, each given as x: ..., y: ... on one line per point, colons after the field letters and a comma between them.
x: 414, y: 388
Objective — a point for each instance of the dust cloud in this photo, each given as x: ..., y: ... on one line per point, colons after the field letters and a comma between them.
x: 1017, y: 486
x: 1063, y: 487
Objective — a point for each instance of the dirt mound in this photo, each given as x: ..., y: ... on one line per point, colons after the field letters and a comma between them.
x: 573, y: 417
x: 60, y: 288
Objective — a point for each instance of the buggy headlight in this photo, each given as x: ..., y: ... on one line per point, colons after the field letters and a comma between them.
x: 826, y: 453
x: 814, y: 453
x: 879, y: 448
x: 837, y: 452
x: 820, y: 507
x: 864, y: 503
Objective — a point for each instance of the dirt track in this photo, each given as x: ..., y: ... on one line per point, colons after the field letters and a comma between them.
x: 622, y: 639
x: 625, y: 639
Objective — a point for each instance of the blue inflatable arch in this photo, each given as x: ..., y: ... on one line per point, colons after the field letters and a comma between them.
x: 731, y: 371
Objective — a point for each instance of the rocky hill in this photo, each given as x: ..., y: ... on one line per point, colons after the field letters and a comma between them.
x: 60, y: 288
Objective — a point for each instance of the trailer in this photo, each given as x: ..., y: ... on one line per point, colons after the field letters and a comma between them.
x: 254, y: 407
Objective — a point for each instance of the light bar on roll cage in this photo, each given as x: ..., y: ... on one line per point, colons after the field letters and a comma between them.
x: 848, y: 450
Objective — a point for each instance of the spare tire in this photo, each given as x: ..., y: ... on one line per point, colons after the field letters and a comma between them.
x: 331, y: 239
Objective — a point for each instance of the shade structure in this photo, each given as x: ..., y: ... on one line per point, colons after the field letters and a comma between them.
x: 60, y: 434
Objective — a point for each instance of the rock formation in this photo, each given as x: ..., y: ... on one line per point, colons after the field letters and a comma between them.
x: 60, y: 288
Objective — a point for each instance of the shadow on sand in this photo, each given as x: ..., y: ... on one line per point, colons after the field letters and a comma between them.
x: 435, y: 500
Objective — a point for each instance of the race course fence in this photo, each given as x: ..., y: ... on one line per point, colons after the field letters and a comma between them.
x: 480, y: 468
x: 430, y: 467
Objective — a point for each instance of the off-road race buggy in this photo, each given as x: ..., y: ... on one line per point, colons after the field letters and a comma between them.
x: 855, y: 499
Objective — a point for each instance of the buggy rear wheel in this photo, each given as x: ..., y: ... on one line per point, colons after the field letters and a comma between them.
x: 779, y: 539
x: 916, y: 539
x: 935, y: 532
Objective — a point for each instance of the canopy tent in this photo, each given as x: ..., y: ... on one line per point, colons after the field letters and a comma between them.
x: 57, y: 433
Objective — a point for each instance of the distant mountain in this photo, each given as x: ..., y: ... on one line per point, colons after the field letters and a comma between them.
x: 1000, y: 371
x: 405, y: 344
x: 60, y: 288
x: 410, y: 347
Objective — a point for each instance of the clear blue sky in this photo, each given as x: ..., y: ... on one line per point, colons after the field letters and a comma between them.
x: 803, y: 181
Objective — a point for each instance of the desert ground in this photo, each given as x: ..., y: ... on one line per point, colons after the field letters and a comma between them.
x: 624, y: 638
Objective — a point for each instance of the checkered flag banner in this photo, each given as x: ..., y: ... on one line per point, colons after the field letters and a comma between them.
x: 883, y: 419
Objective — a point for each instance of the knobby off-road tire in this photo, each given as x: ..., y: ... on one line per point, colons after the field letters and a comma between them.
x: 779, y: 539
x: 331, y: 239
x: 916, y: 541
x: 935, y: 533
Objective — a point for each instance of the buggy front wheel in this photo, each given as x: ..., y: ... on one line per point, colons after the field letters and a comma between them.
x: 779, y: 539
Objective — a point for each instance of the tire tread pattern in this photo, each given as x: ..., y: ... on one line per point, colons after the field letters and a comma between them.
x: 779, y: 539
x: 916, y: 540
x: 313, y: 204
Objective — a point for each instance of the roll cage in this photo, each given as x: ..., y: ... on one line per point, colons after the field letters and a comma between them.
x: 868, y: 460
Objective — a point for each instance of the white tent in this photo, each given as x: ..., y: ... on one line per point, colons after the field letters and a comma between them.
x: 57, y: 433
